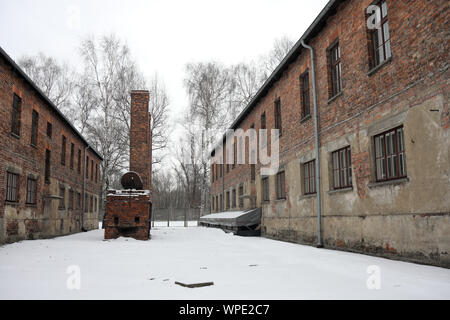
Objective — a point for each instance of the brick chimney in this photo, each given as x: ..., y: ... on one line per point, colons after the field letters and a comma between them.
x: 141, y: 138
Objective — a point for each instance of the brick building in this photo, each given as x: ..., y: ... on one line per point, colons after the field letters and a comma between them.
x: 382, y: 130
x: 49, y: 174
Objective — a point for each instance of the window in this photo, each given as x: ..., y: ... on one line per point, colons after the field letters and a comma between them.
x: 72, y: 151
x: 34, y: 127
x: 31, y: 191
x: 47, y: 166
x: 12, y: 181
x: 92, y: 204
x: 49, y: 130
x: 15, y: 117
x: 265, y: 189
x: 234, y: 155
x: 79, y: 160
x: 234, y: 198
x: 92, y: 170
x: 241, y: 193
x: 228, y: 200
x: 304, y: 90
x: 263, y: 127
x: 221, y: 202
x: 309, y: 176
x: 78, y: 201
x: 379, y: 39
x: 71, y: 194
x: 62, y: 199
x: 342, y: 168
x: 63, y: 150
x: 281, y: 185
x: 278, y: 115
x: 335, y: 69
x: 390, y: 161
x: 87, y: 168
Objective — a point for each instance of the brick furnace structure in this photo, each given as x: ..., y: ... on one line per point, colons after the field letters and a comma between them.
x: 128, y: 212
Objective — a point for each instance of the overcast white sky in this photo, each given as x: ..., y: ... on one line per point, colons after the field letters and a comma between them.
x: 163, y: 35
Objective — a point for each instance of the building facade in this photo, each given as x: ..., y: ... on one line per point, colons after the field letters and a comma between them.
x: 381, y: 88
x: 49, y: 174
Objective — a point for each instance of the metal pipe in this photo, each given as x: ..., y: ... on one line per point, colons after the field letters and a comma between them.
x: 316, y: 133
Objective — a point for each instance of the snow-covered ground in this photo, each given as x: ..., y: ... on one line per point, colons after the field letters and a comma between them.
x: 241, y: 268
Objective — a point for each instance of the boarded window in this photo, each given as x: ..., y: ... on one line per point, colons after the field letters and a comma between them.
x: 31, y: 191
x: 15, y: 116
x: 47, y: 165
x: 265, y: 189
x: 342, y: 168
x: 304, y: 90
x: 390, y: 161
x: 34, y: 127
x: 281, y: 185
x: 379, y: 38
x: 63, y: 150
x: 309, y: 176
x: 335, y: 69
x: 12, y: 181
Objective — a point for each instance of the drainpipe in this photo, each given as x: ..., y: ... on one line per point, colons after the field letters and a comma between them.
x: 223, y: 183
x: 316, y: 133
x: 84, y: 189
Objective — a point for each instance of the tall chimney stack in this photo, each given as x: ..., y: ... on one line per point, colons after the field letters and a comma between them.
x: 140, y: 137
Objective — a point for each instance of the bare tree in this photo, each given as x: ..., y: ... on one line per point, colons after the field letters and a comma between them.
x: 56, y: 80
x: 270, y: 62
x: 109, y: 72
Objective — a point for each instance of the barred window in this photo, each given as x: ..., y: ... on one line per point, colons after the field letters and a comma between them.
x: 265, y: 189
x: 15, y: 117
x: 379, y: 39
x: 342, y: 168
x: 31, y: 191
x: 304, y: 90
x: 62, y: 200
x: 281, y: 185
x: 335, y: 69
x: 309, y: 177
x: 34, y: 127
x: 390, y: 161
x: 12, y: 181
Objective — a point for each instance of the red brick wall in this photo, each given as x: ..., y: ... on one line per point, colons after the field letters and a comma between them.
x: 419, y: 59
x: 19, y: 153
x: 126, y: 209
x: 140, y: 137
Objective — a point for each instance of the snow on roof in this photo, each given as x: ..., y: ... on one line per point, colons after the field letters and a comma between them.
x: 224, y: 215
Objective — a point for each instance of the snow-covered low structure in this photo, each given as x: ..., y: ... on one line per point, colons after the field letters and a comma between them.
x: 241, y: 223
